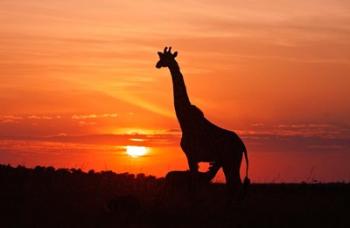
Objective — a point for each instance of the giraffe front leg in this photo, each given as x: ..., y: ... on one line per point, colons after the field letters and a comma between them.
x: 193, y: 165
x: 194, y: 177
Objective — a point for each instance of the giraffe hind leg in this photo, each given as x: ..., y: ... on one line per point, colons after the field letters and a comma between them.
x: 213, y: 169
x: 233, y: 181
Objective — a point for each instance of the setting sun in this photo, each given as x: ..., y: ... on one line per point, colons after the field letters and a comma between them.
x: 136, y: 151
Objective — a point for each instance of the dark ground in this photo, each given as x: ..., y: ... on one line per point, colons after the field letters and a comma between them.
x: 45, y: 197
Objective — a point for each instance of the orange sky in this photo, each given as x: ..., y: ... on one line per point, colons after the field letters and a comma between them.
x: 276, y: 72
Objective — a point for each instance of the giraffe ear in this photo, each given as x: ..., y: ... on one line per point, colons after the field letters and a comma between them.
x: 175, y: 54
x: 160, y: 54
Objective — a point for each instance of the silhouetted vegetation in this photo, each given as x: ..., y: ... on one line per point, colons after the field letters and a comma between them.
x: 49, y: 197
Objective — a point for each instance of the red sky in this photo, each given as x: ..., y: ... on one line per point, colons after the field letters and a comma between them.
x: 77, y: 80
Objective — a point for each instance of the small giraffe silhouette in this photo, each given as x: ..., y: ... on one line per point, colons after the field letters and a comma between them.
x: 203, y: 141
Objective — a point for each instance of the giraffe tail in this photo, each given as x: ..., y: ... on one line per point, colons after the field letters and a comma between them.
x: 246, y: 181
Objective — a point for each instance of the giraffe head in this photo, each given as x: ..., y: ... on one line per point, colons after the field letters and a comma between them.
x: 166, y: 58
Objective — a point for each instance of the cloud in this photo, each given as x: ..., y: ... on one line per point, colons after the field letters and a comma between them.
x: 23, y: 118
x: 86, y: 123
x: 43, y: 117
x: 10, y: 119
x: 320, y: 130
x: 158, y: 140
x: 282, y: 137
x: 298, y: 137
x: 94, y: 116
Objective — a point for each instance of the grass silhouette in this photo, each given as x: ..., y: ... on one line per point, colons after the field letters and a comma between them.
x: 49, y: 197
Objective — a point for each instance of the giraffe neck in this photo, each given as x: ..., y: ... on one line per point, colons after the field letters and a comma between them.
x: 181, y: 100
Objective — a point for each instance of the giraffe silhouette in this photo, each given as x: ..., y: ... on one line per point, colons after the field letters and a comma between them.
x: 203, y: 141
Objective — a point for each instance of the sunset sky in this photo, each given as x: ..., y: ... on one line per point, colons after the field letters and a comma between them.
x: 78, y: 83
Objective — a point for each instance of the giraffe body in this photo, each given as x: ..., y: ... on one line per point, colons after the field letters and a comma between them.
x: 203, y: 141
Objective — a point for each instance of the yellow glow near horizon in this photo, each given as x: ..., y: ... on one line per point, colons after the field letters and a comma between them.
x: 136, y: 151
